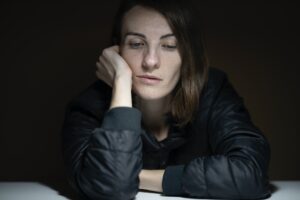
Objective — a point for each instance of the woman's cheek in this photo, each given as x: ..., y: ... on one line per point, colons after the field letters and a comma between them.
x: 133, y: 59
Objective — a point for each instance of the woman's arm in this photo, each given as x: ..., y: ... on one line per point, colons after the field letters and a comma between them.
x: 115, y: 72
x: 151, y: 180
x: 103, y: 160
x: 239, y: 164
x: 102, y: 149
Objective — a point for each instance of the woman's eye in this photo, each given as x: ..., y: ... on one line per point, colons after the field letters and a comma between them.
x: 170, y: 47
x: 136, y: 45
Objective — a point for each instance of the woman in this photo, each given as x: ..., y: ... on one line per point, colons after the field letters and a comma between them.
x: 158, y: 119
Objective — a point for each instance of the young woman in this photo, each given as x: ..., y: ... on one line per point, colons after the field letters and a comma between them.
x: 159, y: 119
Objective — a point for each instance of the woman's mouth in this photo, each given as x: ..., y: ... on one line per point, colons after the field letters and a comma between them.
x: 149, y: 79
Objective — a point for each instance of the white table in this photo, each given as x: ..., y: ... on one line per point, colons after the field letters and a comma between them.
x: 286, y: 190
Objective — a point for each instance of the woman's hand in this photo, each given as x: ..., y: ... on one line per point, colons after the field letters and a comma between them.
x: 114, y: 71
x: 112, y: 66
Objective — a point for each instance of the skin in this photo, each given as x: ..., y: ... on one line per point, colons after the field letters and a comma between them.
x: 148, y: 48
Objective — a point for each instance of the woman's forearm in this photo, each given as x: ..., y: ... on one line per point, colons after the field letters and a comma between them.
x: 121, y: 93
x: 151, y: 180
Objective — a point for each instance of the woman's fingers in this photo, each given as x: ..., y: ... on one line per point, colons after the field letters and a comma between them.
x: 112, y: 65
x: 112, y: 57
x: 116, y: 48
x: 102, y: 74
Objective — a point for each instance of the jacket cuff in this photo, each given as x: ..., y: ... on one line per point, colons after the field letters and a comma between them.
x: 171, y: 183
x: 122, y: 118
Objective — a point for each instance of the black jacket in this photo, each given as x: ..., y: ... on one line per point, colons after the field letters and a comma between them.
x: 221, y: 154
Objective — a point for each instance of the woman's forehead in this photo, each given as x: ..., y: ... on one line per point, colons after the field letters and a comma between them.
x: 145, y: 20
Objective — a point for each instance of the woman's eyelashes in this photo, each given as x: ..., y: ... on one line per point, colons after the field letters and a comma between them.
x: 136, y: 44
x: 169, y: 46
x: 142, y: 44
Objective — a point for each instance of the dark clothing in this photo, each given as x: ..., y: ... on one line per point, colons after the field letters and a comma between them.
x: 220, y: 154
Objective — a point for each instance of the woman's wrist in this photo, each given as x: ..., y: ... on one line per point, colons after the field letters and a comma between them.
x: 151, y: 180
x: 121, y: 93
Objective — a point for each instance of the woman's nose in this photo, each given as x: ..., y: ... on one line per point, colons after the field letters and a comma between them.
x: 151, y: 59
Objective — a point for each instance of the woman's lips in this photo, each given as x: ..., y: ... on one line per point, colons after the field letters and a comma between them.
x: 149, y: 80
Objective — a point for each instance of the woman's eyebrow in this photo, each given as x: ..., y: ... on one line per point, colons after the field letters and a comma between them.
x: 167, y: 35
x: 134, y: 34
x: 143, y: 36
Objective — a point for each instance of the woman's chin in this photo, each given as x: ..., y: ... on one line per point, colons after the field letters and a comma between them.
x: 149, y: 94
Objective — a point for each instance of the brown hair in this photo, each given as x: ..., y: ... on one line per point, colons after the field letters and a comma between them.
x: 194, y: 71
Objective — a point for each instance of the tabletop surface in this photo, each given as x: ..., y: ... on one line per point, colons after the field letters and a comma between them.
x: 36, y: 191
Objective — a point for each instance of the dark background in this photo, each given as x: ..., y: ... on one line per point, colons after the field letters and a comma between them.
x: 48, y: 55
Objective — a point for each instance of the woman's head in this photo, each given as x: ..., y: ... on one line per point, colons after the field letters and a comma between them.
x: 160, y: 38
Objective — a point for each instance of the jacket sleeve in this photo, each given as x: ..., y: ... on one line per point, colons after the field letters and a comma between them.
x: 239, y: 164
x: 103, y: 156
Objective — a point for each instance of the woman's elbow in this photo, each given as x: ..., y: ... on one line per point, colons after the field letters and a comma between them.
x: 253, y: 186
x: 109, y: 189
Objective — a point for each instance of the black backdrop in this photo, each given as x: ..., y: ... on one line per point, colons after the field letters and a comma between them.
x: 48, y: 55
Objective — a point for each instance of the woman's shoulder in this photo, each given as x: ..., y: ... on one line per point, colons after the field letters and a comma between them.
x: 217, y: 85
x: 216, y: 76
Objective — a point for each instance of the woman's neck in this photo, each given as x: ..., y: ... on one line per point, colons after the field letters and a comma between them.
x: 154, y: 112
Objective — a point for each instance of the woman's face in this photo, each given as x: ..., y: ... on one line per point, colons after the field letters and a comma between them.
x: 151, y: 51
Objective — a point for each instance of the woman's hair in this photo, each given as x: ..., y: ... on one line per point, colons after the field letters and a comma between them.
x: 194, y: 70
